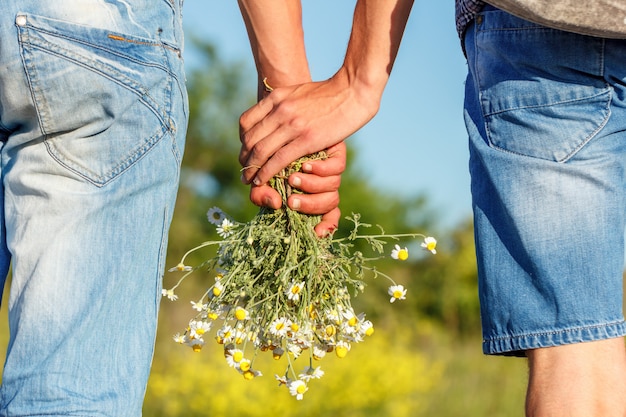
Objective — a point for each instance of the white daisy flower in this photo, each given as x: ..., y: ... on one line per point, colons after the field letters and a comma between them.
x: 342, y: 348
x: 195, y: 344
x: 180, y: 267
x: 215, y: 215
x: 234, y: 357
x: 282, y: 380
x: 198, y: 306
x: 309, y: 373
x: 240, y: 336
x: 397, y: 292
x: 169, y: 294
x: 280, y: 326
x: 225, y: 334
x: 293, y: 293
x: 294, y: 349
x: 333, y: 315
x: 401, y: 254
x: 251, y: 374
x: 225, y: 229
x: 430, y: 243
x: 278, y: 353
x: 297, y: 388
x: 218, y: 287
x: 241, y: 313
x: 319, y: 351
x: 245, y: 365
x: 367, y: 328
x: 198, y: 328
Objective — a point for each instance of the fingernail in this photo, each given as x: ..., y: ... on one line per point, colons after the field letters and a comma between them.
x: 243, y: 179
x: 256, y: 181
x: 295, y: 204
x: 297, y: 181
x: 307, y: 167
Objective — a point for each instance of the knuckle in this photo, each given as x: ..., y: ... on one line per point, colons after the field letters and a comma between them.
x: 243, y: 122
x: 333, y: 183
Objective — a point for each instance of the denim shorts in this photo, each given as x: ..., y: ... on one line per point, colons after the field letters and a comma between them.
x: 546, y: 116
x: 93, y: 115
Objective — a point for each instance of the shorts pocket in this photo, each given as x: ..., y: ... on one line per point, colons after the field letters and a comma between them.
x: 542, y: 93
x: 103, y: 99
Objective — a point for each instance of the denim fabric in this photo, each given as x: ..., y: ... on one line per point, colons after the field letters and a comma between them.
x: 93, y: 114
x: 546, y: 115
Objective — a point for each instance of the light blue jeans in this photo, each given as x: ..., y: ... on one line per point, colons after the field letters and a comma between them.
x: 546, y: 115
x: 93, y: 115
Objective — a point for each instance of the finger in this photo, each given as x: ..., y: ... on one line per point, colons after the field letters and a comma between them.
x: 255, y: 114
x: 282, y: 157
x: 265, y: 196
x: 329, y: 223
x: 312, y: 184
x: 320, y: 203
x: 253, y: 127
x: 269, y: 147
x: 335, y: 164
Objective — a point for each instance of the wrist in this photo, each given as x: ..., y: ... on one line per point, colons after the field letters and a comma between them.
x: 274, y: 78
x: 366, y: 89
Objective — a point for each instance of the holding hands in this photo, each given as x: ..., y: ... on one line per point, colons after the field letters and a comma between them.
x: 300, y: 117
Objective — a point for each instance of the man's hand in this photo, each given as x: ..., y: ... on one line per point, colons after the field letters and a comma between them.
x: 320, y: 182
x: 299, y: 120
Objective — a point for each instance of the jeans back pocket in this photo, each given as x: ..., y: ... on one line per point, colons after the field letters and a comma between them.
x: 103, y: 99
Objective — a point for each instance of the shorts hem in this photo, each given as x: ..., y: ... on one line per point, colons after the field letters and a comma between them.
x: 517, y: 345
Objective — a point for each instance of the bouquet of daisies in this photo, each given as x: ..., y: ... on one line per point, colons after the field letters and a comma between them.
x: 279, y: 288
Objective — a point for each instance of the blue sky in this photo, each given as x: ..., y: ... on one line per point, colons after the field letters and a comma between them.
x: 417, y: 142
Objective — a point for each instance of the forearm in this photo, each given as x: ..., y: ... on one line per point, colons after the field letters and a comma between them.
x: 303, y: 119
x: 277, y: 40
x: 377, y: 30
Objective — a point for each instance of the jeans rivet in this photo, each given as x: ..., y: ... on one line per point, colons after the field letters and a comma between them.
x: 20, y: 20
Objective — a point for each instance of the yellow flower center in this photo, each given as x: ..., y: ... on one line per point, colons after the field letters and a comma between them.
x: 244, y: 365
x: 431, y: 245
x: 353, y: 321
x: 295, y: 327
x: 280, y: 325
x: 403, y: 254
x: 248, y: 375
x: 200, y: 331
x: 197, y: 348
x: 276, y: 356
x: 330, y: 330
x: 301, y: 389
x: 216, y: 291
x: 341, y: 351
x: 213, y: 316
x: 295, y: 289
x: 369, y: 331
x: 240, y: 313
x: 397, y: 294
x: 237, y: 356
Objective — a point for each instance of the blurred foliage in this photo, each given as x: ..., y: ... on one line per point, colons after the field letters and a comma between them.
x: 379, y: 378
